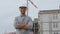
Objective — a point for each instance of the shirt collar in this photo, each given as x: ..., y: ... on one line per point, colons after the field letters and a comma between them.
x: 23, y: 16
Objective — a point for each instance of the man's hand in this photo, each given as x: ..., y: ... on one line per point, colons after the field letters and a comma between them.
x: 25, y: 27
x: 20, y: 25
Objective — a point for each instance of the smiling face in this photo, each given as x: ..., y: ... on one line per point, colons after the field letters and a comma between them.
x: 22, y: 10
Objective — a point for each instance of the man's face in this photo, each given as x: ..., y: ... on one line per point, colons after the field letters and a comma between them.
x: 23, y: 10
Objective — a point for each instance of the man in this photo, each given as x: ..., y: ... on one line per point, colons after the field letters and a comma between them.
x: 23, y: 23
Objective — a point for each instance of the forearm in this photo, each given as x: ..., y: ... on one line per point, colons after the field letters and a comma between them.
x: 28, y: 26
x: 18, y: 26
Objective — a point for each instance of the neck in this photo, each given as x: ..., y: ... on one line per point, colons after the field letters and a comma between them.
x: 22, y: 14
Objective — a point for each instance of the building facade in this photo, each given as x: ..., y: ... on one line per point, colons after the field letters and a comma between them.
x: 49, y: 21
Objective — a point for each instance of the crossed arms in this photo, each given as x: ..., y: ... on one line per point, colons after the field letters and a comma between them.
x: 23, y: 26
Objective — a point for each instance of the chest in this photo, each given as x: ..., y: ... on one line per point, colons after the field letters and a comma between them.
x: 23, y: 20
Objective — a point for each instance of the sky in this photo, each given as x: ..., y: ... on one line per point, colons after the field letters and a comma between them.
x: 9, y: 10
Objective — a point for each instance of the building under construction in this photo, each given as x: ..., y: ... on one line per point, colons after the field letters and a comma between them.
x: 49, y: 21
x: 35, y: 26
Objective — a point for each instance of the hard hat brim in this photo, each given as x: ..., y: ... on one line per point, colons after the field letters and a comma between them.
x: 22, y: 7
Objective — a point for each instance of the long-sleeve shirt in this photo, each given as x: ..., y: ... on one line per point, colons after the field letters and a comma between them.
x: 23, y: 20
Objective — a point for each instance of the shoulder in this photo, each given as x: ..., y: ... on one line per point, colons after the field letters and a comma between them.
x: 28, y: 17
